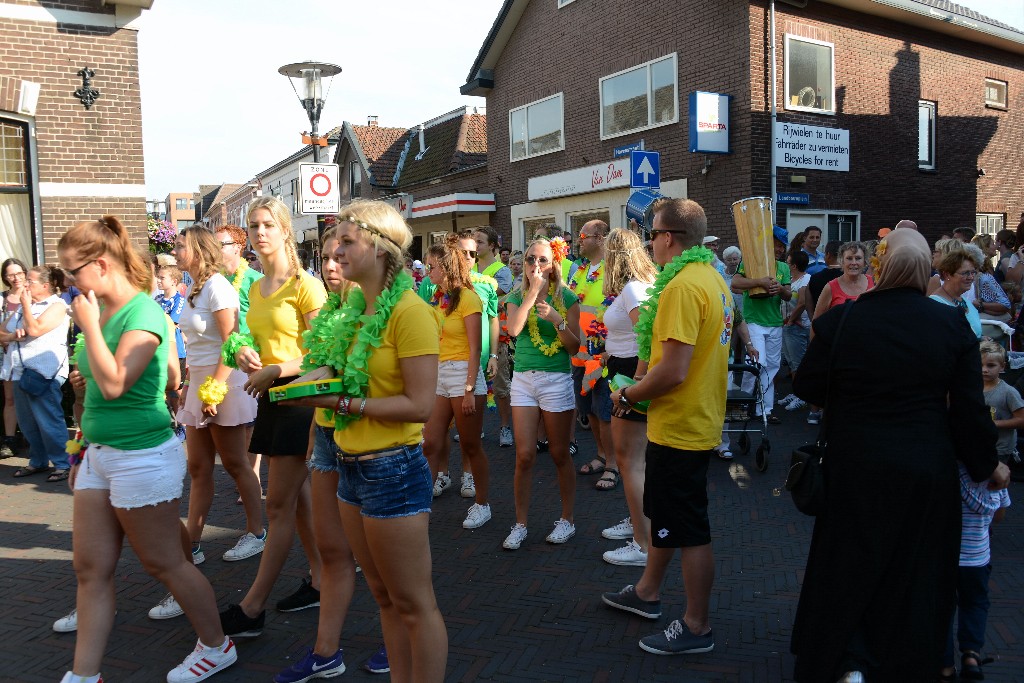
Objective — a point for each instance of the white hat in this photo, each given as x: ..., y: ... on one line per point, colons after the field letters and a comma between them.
x: 708, y: 239
x: 417, y: 264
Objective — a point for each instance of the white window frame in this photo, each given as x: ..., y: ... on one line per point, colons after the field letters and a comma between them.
x: 352, y: 166
x: 988, y: 218
x: 930, y: 163
x: 831, y: 111
x: 526, y: 107
x: 650, y: 96
x: 995, y: 82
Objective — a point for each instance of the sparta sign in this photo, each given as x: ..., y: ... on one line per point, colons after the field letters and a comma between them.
x: 318, y: 188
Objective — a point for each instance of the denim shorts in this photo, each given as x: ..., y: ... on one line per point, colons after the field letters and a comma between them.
x: 134, y: 478
x: 325, y: 451
x: 597, y: 401
x: 451, y: 379
x: 394, y: 485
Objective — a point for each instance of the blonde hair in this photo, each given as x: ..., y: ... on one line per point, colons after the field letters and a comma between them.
x: 556, y: 271
x: 625, y: 260
x: 283, y: 219
x: 205, y: 251
x: 107, y: 236
x: 388, y: 229
x: 991, y: 348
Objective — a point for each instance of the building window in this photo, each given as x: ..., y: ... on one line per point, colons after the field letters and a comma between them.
x: 926, y: 135
x: 810, y: 75
x: 182, y: 224
x: 181, y: 204
x: 355, y: 180
x: 578, y: 220
x: 541, y: 225
x: 294, y: 189
x: 16, y: 220
x: 536, y: 128
x: 990, y: 223
x: 642, y: 97
x: 995, y: 93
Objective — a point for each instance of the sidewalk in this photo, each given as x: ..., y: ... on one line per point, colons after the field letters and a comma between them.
x: 530, y: 615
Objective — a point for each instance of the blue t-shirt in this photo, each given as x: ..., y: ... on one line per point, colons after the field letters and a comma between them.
x: 173, y: 308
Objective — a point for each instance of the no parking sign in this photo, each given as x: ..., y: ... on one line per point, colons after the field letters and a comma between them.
x: 318, y: 188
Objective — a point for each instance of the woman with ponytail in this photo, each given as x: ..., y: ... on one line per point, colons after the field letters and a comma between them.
x: 281, y: 306
x: 544, y: 317
x: 386, y: 357
x: 129, y: 480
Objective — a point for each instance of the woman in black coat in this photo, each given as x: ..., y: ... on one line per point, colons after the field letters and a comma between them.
x: 904, y: 404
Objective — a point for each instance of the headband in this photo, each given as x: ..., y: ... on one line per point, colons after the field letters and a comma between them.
x: 369, y: 228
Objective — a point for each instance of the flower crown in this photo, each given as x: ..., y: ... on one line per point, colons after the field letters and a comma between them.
x: 559, y: 249
x: 362, y: 225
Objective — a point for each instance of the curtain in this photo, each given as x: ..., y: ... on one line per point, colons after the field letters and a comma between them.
x: 15, y: 227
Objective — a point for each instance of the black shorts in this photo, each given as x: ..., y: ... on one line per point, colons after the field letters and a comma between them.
x: 676, y: 496
x: 280, y: 430
x: 626, y: 367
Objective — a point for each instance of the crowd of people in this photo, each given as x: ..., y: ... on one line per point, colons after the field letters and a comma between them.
x: 632, y: 339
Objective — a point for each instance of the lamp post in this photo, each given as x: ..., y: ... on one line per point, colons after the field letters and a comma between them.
x: 306, y: 79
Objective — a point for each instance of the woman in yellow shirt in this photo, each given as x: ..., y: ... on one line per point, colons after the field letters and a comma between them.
x: 387, y: 360
x: 459, y: 379
x: 281, y: 306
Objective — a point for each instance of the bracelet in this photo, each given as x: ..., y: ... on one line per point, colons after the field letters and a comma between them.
x: 492, y: 355
x: 362, y: 407
x: 343, y: 405
x: 235, y: 343
x: 211, y: 392
x: 185, y: 383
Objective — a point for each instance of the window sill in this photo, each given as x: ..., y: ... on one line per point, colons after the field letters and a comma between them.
x: 928, y: 171
x: 811, y: 110
x: 534, y: 156
x: 631, y: 131
x: 997, y: 107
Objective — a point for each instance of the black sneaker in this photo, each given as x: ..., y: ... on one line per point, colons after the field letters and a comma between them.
x: 628, y: 601
x: 7, y: 447
x: 305, y: 597
x: 237, y: 625
x: 573, y: 449
x: 542, y: 446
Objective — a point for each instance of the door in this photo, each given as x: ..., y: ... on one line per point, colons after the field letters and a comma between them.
x: 843, y: 226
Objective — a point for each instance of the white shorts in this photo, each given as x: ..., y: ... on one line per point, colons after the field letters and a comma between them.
x: 134, y: 478
x: 451, y: 379
x: 549, y: 391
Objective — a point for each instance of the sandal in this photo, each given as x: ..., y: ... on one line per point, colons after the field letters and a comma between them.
x: 591, y: 468
x: 774, y: 419
x: 28, y: 470
x: 58, y: 475
x: 972, y: 672
x: 605, y: 484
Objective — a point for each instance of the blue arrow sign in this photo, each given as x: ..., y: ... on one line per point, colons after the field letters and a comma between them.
x: 644, y: 169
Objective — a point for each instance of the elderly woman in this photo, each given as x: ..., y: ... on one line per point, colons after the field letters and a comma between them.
x: 37, y: 339
x: 989, y: 297
x: 877, y: 596
x: 957, y: 272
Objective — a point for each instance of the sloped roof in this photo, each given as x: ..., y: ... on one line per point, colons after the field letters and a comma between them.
x: 453, y: 144
x: 382, y: 148
x: 954, y: 8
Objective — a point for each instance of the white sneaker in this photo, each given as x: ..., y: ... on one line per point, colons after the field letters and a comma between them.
x: 204, y: 662
x: 68, y: 623
x: 515, y: 538
x: 628, y: 555
x: 168, y: 608
x: 563, y: 531
x: 247, y: 546
x: 796, y: 404
x: 477, y: 516
x: 785, y: 401
x: 198, y: 556
x: 620, y: 531
x: 468, y: 489
x: 442, y: 483
x: 505, y: 437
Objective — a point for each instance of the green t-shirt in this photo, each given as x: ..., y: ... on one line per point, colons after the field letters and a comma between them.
x: 138, y: 418
x: 486, y: 288
x: 527, y: 355
x: 248, y: 277
x: 766, y: 311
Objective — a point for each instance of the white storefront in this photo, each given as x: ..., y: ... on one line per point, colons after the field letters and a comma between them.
x: 571, y: 198
x: 431, y: 218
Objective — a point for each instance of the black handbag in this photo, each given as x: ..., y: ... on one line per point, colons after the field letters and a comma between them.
x: 805, y: 480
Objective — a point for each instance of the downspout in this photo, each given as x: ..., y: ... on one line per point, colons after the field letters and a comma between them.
x: 774, y: 114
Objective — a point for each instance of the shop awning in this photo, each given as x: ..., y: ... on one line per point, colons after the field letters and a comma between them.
x: 459, y: 202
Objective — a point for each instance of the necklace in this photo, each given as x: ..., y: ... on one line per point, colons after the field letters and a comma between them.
x: 441, y: 300
x: 239, y: 276
x: 648, y: 309
x: 538, y: 341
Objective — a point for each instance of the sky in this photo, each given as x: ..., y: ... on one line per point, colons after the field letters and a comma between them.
x: 215, y: 110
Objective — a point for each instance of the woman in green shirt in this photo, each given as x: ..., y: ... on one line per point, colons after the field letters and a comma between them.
x: 131, y: 481
x: 544, y: 317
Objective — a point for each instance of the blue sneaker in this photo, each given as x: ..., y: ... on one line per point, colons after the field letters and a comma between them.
x: 378, y: 663
x: 312, y: 666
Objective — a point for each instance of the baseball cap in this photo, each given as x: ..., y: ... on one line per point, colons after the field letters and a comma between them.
x: 781, y: 234
x: 708, y: 239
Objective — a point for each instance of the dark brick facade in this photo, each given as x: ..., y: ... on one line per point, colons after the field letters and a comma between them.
x: 882, y: 68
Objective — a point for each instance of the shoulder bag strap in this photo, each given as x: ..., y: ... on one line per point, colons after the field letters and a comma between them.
x: 833, y: 352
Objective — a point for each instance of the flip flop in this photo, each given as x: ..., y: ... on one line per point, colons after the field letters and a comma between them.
x: 28, y: 470
x: 590, y: 468
x: 604, y: 484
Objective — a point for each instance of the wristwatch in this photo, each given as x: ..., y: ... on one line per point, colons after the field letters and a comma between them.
x: 623, y: 401
x: 470, y: 388
x: 493, y: 355
x: 562, y: 326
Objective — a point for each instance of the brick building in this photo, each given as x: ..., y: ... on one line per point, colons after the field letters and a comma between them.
x: 70, y: 151
x: 434, y: 173
x: 887, y: 80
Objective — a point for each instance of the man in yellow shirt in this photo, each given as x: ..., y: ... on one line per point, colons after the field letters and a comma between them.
x: 686, y: 387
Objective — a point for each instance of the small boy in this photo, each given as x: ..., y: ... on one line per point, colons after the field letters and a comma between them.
x: 1005, y: 402
x: 170, y: 298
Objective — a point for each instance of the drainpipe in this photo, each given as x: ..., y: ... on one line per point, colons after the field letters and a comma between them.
x: 774, y: 115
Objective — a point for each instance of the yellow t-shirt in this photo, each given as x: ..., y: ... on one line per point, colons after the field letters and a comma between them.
x: 454, y: 342
x: 413, y: 330
x: 695, y: 308
x: 277, y: 322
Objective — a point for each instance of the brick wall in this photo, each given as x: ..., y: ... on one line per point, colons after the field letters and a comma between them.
x: 102, y: 145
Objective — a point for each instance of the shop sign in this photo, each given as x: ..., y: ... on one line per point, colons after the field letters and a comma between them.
x: 815, y: 147
x: 402, y: 203
x: 709, y: 122
x: 604, y: 176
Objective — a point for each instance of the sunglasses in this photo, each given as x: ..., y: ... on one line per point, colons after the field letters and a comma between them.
x: 542, y: 260
x: 227, y: 244
x: 73, y: 272
x: 469, y: 252
x: 655, y: 233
